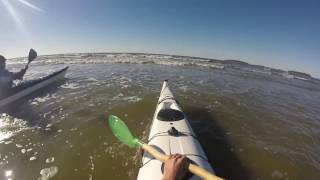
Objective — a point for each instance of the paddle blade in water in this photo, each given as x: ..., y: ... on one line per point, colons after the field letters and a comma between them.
x: 122, y: 132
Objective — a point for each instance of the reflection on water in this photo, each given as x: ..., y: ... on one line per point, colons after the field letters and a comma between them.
x: 251, y: 126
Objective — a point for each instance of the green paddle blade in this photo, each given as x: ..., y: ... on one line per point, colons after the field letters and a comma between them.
x: 122, y: 132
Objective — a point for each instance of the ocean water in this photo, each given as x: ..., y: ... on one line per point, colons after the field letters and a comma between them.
x: 251, y: 123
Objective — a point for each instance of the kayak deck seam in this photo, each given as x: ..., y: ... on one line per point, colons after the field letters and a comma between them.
x: 196, y: 155
x: 166, y: 98
x: 167, y: 134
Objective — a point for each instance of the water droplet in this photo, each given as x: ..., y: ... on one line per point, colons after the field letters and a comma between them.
x: 8, y: 173
x: 33, y: 158
x: 50, y: 160
x: 19, y: 145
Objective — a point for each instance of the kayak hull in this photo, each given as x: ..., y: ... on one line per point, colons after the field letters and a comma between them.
x: 171, y: 133
x: 28, y: 88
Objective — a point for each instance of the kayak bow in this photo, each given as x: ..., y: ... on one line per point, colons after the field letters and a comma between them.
x: 171, y: 133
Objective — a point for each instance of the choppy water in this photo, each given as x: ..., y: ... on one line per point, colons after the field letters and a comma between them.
x: 252, y: 125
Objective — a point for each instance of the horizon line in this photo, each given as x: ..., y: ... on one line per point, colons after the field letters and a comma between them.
x: 177, y: 55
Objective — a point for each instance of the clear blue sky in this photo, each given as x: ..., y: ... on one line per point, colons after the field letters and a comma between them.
x: 278, y: 33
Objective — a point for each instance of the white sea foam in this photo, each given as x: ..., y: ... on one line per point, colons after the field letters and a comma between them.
x: 132, y: 99
x: 23, y: 151
x: 39, y: 100
x: 117, y: 97
x: 33, y: 158
x: 127, y: 58
x: 184, y: 88
x: 50, y: 160
x: 71, y: 86
x: 19, y: 145
x: 10, y: 126
x: 48, y: 173
x: 92, y: 79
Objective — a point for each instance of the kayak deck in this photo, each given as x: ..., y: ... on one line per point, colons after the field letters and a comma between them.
x: 171, y: 133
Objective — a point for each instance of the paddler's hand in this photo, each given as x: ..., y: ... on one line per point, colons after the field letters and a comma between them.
x: 175, y: 167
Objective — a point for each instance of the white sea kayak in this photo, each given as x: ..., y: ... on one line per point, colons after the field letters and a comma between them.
x: 29, y: 87
x: 171, y: 133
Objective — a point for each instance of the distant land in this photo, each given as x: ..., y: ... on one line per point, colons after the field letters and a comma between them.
x: 294, y: 74
x: 231, y: 62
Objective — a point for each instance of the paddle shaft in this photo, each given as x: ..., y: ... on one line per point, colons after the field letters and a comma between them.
x: 191, y: 167
x: 27, y: 66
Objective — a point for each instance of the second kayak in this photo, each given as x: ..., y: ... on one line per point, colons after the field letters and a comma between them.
x: 29, y: 87
x: 171, y: 133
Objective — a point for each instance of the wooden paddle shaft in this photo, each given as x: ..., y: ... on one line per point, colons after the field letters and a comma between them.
x: 191, y: 167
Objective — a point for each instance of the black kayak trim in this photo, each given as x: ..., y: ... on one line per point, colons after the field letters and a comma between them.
x: 27, y: 84
x: 24, y: 86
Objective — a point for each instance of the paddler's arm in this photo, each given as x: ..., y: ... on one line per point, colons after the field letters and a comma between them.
x: 32, y: 55
x: 20, y: 74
